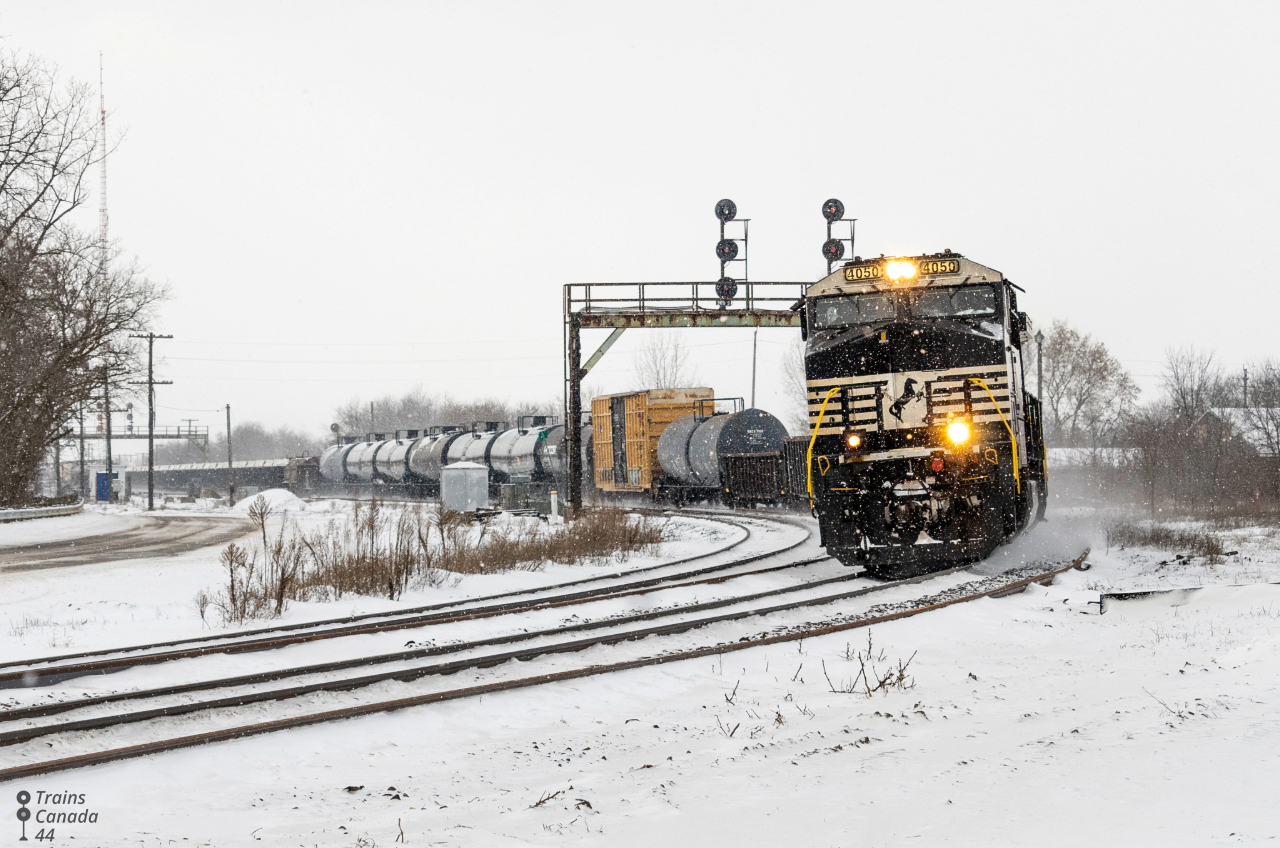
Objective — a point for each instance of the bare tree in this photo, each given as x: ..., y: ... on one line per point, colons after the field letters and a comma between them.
x: 63, y: 317
x: 792, y: 376
x: 1087, y: 390
x: 1262, y: 414
x: 1193, y: 382
x: 662, y: 361
x: 419, y: 409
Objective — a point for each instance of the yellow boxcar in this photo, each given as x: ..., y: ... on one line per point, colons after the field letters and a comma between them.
x: 625, y: 434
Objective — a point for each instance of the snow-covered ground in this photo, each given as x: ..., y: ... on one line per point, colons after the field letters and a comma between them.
x: 148, y: 600
x: 91, y: 522
x: 1033, y: 721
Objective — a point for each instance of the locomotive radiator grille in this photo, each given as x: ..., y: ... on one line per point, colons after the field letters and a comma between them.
x: 908, y: 400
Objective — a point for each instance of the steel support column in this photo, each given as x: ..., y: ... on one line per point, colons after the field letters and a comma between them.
x: 572, y: 423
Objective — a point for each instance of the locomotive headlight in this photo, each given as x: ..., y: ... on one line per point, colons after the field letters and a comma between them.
x: 900, y: 269
x: 958, y: 432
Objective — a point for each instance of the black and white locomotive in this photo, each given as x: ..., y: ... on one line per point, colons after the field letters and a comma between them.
x: 925, y: 449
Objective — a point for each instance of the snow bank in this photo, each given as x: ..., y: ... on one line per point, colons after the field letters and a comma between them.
x: 280, y: 500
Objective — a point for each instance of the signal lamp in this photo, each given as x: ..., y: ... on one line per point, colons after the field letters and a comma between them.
x: 832, y: 250
x: 938, y: 464
x: 726, y: 288
x: 726, y: 210
x: 852, y: 440
x: 726, y: 250
x: 833, y: 210
x: 958, y: 432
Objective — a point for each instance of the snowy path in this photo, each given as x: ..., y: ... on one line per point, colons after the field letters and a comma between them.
x: 143, y: 537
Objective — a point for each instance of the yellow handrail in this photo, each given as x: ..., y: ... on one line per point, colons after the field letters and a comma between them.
x: 1013, y: 440
x: 809, y: 455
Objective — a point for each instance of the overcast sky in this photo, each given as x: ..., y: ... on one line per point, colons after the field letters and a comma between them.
x: 348, y: 200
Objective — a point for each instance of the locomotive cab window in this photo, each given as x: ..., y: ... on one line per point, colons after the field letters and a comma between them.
x: 955, y: 302
x: 844, y: 310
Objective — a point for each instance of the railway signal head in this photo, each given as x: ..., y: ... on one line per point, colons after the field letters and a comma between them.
x: 726, y: 250
x: 726, y: 210
x: 833, y: 210
x: 726, y: 288
x: 833, y: 250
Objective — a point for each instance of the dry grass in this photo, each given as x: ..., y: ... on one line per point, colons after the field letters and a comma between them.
x: 382, y: 551
x: 1124, y: 534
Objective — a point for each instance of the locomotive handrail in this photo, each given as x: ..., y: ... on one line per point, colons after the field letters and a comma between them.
x: 814, y: 438
x: 1013, y: 440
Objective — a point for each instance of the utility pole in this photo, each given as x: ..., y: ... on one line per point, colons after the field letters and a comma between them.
x: 231, y: 471
x: 151, y: 383
x: 755, y: 340
x: 372, y: 424
x: 106, y: 407
x: 84, y: 492
x: 1040, y: 369
x: 1246, y: 387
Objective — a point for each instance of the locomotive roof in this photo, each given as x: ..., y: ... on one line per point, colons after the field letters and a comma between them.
x: 930, y: 269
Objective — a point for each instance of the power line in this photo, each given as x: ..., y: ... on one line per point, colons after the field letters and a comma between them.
x: 434, y: 379
x: 356, y: 361
x: 452, y: 343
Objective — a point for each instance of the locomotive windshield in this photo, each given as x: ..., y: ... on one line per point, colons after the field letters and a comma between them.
x: 830, y: 312
x: 977, y: 301
x: 954, y: 302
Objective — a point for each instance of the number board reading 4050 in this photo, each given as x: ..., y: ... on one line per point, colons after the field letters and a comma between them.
x: 863, y: 272
x: 940, y: 266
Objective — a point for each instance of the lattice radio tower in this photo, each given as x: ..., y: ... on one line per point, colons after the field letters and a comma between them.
x: 102, y: 170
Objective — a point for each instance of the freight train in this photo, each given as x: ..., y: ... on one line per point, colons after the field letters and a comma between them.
x: 925, y: 449
x: 662, y: 445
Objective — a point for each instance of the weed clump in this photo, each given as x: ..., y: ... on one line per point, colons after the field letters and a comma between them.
x: 872, y: 677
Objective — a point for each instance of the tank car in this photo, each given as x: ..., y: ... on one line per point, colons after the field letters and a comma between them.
x: 691, y: 449
x: 925, y: 449
x: 530, y: 453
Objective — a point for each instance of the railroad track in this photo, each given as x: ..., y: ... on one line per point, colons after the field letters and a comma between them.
x: 964, y: 592
x: 48, y: 670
